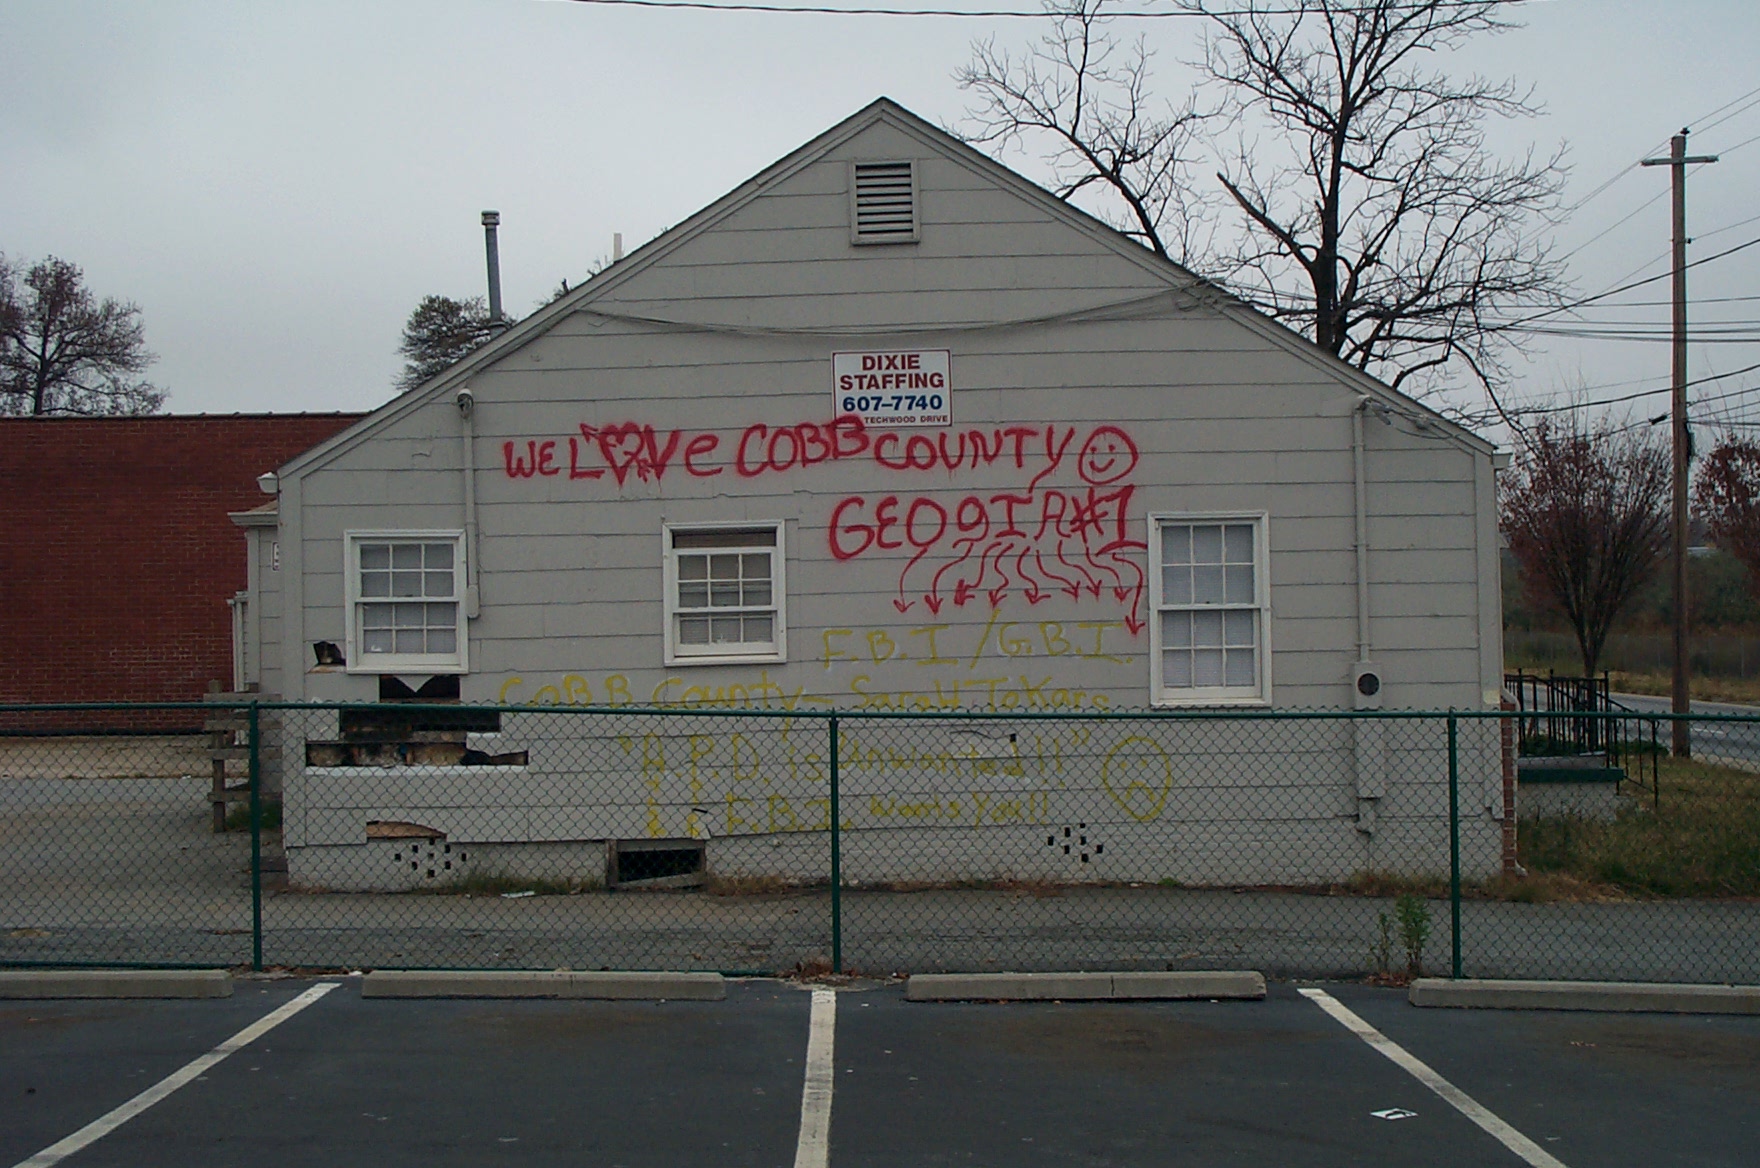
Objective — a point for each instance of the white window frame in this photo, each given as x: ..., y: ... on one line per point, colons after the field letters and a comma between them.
x: 676, y: 654
x: 360, y: 662
x: 1257, y: 695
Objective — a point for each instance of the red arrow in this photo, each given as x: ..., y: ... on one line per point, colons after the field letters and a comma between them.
x: 997, y: 596
x: 902, y: 605
x: 962, y: 592
x: 934, y: 602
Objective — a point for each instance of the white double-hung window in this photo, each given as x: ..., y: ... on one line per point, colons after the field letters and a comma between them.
x: 1210, y: 597
x: 724, y: 593
x: 404, y: 614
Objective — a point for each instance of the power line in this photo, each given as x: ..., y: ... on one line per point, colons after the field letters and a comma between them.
x: 1613, y: 401
x: 1514, y: 324
x: 995, y: 13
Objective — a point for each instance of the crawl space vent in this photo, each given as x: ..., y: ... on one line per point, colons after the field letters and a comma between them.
x: 884, y: 197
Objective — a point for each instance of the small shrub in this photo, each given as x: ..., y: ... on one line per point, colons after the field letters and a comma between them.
x: 1412, y: 915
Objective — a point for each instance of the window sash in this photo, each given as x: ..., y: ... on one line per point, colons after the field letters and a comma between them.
x: 405, y: 601
x: 1211, y: 614
x: 724, y: 592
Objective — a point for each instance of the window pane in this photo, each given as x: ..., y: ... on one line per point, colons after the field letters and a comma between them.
x: 725, y: 537
x: 375, y: 555
x: 757, y: 592
x: 724, y: 630
x: 1238, y: 626
x: 1238, y: 588
x: 1207, y: 585
x: 693, y: 595
x: 406, y: 583
x: 1176, y: 630
x: 437, y: 556
x: 723, y: 567
x: 1207, y: 628
x: 376, y: 641
x: 375, y: 616
x: 1206, y: 667
x: 1239, y: 541
x: 755, y: 566
x: 442, y: 616
x: 1240, y: 668
x: 693, y: 630
x: 724, y: 594
x: 375, y: 583
x: 442, y: 641
x: 437, y: 584
x: 410, y: 641
x: 693, y: 567
x: 406, y: 555
x: 1207, y: 545
x: 1176, y: 585
x: 409, y: 616
x: 1176, y: 543
x: 1176, y: 669
x: 759, y: 629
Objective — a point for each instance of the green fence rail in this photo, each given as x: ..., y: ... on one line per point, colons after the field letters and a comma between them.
x: 1300, y: 843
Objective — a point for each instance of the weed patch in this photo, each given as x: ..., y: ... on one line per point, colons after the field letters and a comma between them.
x: 238, y: 816
x: 1703, y: 842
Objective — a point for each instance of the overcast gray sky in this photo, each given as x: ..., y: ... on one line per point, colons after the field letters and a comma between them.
x: 277, y: 185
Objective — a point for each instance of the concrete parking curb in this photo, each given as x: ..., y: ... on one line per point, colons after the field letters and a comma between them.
x: 1654, y: 997
x: 115, y: 983
x: 1084, y: 987
x: 556, y: 983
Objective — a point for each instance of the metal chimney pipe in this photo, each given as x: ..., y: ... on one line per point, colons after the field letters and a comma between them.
x: 492, y: 220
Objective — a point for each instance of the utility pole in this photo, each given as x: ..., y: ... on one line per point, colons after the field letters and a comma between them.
x: 1677, y: 162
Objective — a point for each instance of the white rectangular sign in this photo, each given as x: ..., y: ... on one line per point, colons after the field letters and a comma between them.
x: 909, y: 387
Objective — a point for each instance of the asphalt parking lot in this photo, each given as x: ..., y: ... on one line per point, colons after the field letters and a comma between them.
x: 338, y: 1080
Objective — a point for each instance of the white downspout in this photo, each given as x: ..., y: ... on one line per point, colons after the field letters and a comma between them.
x: 473, y: 578
x: 1362, y: 529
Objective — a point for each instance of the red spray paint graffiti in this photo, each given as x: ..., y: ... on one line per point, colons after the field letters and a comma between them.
x: 1033, y: 542
x: 1065, y: 528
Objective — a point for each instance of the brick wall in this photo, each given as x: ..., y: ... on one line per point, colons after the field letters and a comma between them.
x: 116, y: 554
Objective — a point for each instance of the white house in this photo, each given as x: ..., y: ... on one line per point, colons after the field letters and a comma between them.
x: 889, y: 427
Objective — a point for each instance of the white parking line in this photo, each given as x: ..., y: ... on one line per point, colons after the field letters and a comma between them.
x: 109, y: 1122
x: 1506, y: 1135
x: 814, y: 1149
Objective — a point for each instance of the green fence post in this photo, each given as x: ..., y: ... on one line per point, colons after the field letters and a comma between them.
x: 1454, y: 838
x: 256, y: 735
x: 836, y: 861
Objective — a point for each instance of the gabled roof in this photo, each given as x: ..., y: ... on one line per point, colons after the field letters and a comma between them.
x: 881, y: 111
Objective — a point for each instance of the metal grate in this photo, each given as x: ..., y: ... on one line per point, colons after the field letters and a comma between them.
x: 885, y: 202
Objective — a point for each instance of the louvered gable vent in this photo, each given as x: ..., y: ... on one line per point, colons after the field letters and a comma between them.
x: 883, y: 202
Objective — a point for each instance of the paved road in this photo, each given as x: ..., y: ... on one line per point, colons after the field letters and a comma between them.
x: 352, y: 1083
x: 1736, y: 742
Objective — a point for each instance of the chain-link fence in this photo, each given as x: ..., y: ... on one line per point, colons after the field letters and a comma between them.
x: 1297, y: 843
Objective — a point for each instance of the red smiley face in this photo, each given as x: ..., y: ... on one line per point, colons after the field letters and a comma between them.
x: 1107, y: 456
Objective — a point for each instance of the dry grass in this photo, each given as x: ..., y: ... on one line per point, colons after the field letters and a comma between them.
x: 1704, y: 841
x: 1740, y: 690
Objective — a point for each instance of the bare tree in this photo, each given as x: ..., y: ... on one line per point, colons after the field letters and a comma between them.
x: 1586, y: 513
x: 1372, y: 215
x: 1377, y: 218
x: 439, y: 332
x: 62, y: 351
x: 1727, y: 497
x: 1085, y: 100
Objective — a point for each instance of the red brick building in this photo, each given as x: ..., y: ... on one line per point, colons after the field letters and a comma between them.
x: 117, y: 558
